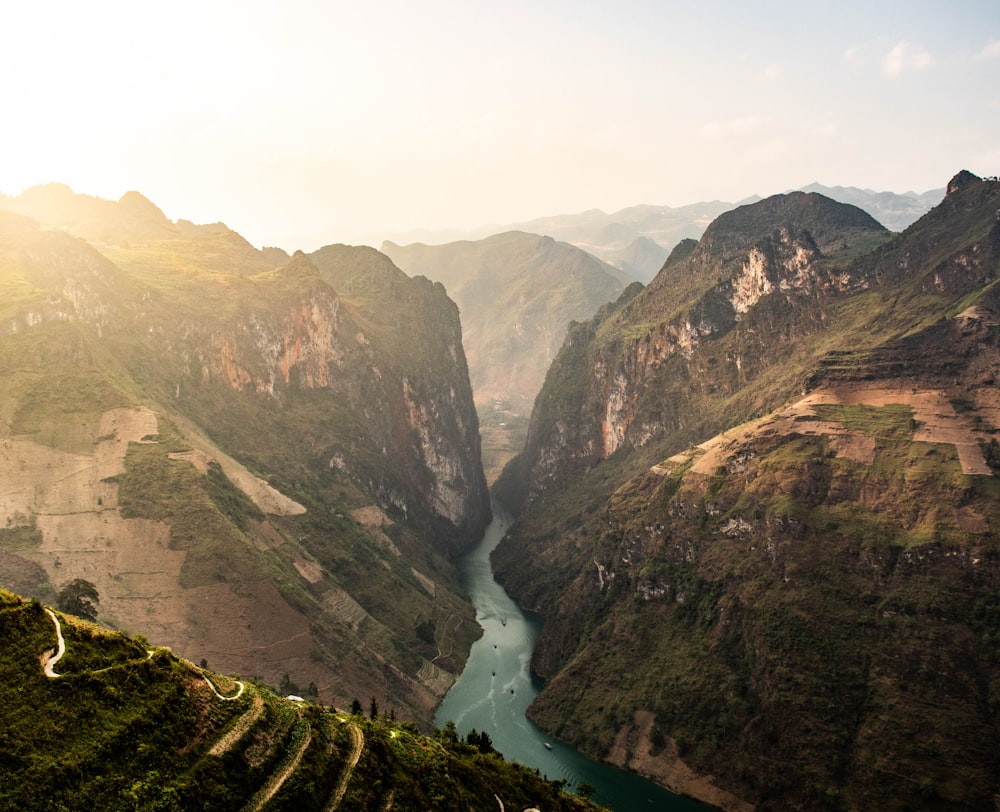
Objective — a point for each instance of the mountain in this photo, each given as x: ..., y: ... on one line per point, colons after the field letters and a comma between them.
x: 94, y: 719
x: 517, y: 293
x: 758, y: 509
x: 247, y: 464
x: 895, y: 211
x: 638, y: 239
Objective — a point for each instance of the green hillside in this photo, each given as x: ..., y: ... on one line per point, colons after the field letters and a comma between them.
x: 122, y: 726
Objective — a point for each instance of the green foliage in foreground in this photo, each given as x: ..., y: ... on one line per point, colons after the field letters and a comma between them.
x: 123, y: 728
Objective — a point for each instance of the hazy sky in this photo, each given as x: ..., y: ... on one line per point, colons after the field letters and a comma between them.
x: 301, y: 122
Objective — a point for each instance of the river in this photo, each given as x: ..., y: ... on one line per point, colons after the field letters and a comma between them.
x: 497, y: 685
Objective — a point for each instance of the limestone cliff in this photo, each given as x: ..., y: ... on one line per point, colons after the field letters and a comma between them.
x: 752, y: 265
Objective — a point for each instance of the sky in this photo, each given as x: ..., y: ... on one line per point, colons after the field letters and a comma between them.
x: 302, y: 122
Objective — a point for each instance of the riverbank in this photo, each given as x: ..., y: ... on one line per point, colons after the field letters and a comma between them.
x: 497, y: 686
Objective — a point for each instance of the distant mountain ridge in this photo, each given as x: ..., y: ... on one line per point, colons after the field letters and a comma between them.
x: 517, y: 293
x: 638, y: 239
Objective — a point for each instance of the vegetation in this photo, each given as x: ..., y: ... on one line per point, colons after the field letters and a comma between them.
x: 239, y: 370
x: 123, y: 728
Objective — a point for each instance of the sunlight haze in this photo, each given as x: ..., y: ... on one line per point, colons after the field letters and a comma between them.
x: 308, y: 123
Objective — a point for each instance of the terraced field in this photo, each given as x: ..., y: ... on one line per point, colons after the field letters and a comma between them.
x: 105, y: 721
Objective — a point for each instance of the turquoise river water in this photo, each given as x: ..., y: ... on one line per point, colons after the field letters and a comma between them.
x: 497, y: 685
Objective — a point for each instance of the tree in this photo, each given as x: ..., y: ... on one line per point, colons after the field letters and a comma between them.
x: 355, y: 707
x: 80, y: 598
x: 481, y: 741
x: 448, y: 733
x: 373, y: 709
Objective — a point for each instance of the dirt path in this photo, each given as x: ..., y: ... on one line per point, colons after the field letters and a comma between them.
x: 237, y: 695
x: 49, y: 661
x: 444, y: 634
x: 243, y: 724
x: 358, y: 739
x: 277, y: 779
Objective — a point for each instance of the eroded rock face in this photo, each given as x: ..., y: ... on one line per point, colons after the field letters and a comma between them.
x: 746, y: 276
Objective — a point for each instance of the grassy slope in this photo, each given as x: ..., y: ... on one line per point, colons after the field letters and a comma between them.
x: 123, y: 730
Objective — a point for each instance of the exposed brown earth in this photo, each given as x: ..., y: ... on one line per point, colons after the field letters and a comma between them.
x: 72, y: 501
x: 633, y: 749
x: 936, y: 420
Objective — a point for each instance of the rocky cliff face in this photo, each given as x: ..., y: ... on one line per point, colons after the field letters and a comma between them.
x: 710, y: 318
x: 760, y: 514
x: 279, y: 460
x: 517, y: 293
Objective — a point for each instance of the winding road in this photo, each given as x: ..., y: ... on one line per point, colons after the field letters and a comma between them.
x: 48, y: 661
x: 50, y: 657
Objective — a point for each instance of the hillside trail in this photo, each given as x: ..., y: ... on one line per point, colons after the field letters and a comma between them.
x: 49, y: 661
x: 243, y: 724
x: 358, y: 740
x: 278, y: 778
x: 237, y: 695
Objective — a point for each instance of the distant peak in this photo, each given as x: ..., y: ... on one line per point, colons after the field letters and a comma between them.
x: 961, y: 180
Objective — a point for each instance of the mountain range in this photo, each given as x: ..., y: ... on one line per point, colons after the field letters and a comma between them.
x: 758, y: 509
x: 638, y: 239
x: 756, y: 505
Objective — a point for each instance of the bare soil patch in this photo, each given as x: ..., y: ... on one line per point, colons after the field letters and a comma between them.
x: 633, y: 749
x: 935, y: 417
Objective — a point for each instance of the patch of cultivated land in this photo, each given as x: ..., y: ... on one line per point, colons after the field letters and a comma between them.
x: 71, y: 501
x: 935, y: 418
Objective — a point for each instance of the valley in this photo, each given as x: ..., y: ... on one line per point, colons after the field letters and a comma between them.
x: 754, y: 502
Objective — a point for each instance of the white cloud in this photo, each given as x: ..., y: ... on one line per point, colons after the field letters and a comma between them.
x: 991, y: 51
x: 770, y: 72
x: 905, y: 57
x: 733, y: 128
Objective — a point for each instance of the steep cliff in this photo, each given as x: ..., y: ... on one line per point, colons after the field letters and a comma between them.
x: 517, y: 293
x: 753, y: 291
x: 250, y: 466
x: 802, y: 605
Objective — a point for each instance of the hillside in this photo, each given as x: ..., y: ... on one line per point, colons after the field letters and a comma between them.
x: 94, y: 719
x: 517, y: 293
x: 241, y: 460
x: 759, y: 513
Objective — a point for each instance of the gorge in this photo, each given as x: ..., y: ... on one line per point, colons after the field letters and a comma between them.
x: 756, y: 504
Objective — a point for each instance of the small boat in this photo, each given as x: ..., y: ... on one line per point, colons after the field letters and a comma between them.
x: 546, y: 745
